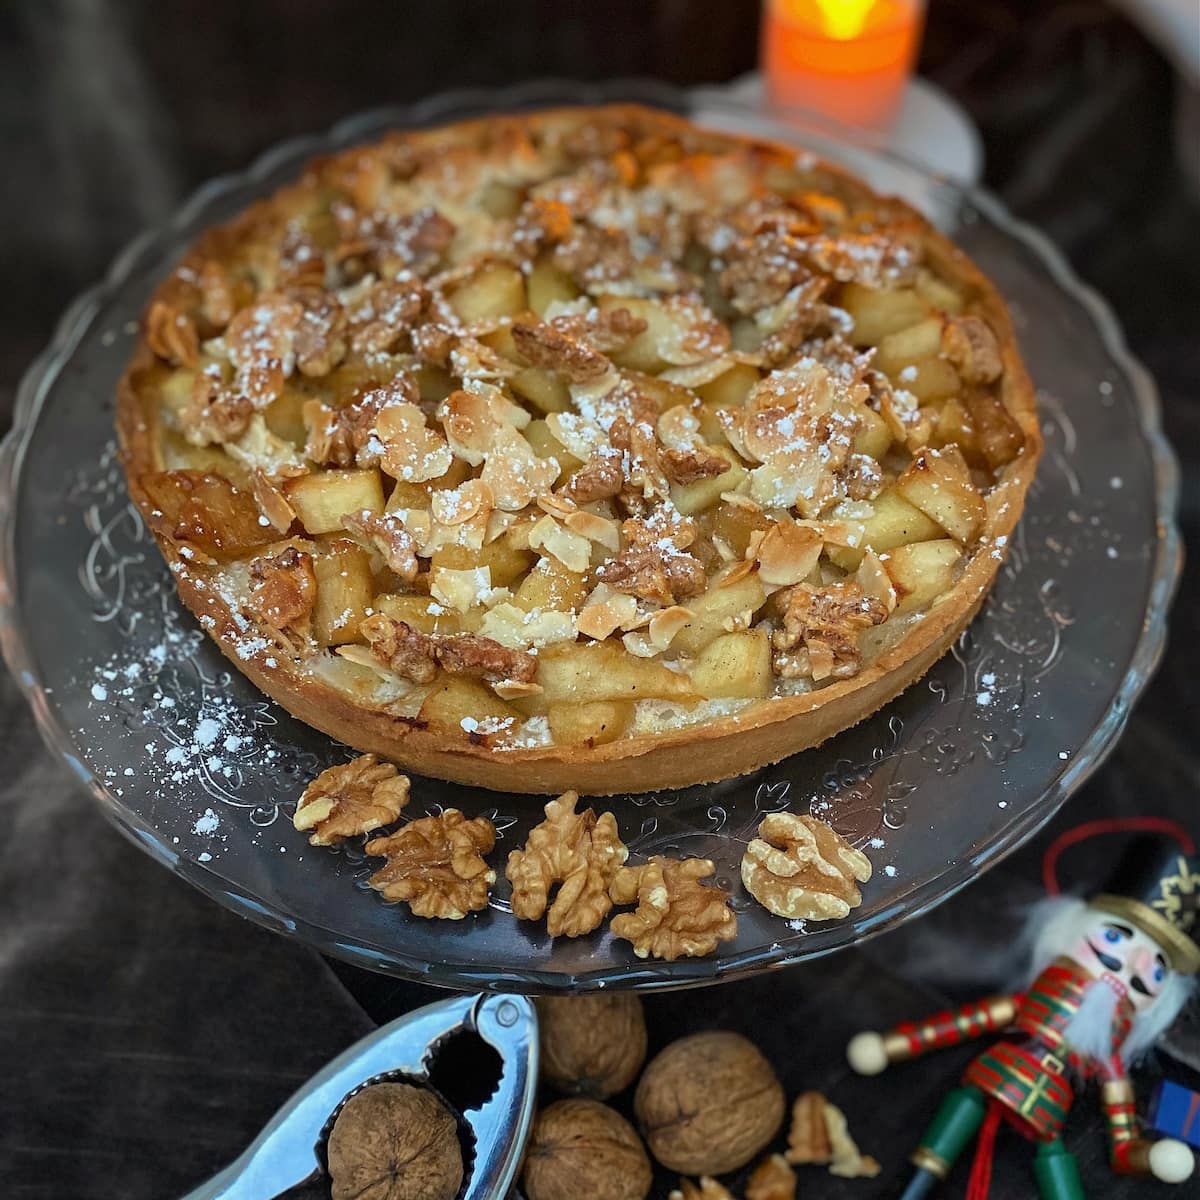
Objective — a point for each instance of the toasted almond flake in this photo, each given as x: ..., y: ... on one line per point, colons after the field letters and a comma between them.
x: 836, y: 533
x: 517, y: 629
x: 272, y: 503
x: 498, y: 524
x: 412, y: 451
x: 560, y: 507
x: 362, y: 657
x: 698, y: 374
x: 578, y: 434
x: 740, y: 571
x: 666, y: 623
x: 472, y: 500
x: 571, y: 549
x: 875, y: 581
x: 604, y: 530
x: 787, y: 553
x: 460, y: 590
x: 639, y: 643
x: 514, y: 473
x: 740, y: 500
x: 605, y: 612
x: 679, y: 428
x: 514, y: 689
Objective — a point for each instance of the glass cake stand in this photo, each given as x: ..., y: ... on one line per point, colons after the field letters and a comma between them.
x: 202, y: 771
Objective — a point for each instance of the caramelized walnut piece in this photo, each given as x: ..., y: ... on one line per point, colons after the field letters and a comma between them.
x: 689, y: 465
x: 971, y: 346
x: 218, y: 294
x: 482, y: 658
x: 416, y: 656
x: 394, y: 1141
x: 400, y: 648
x: 171, y: 335
x: 350, y: 799
x: 654, y: 564
x: 876, y: 260
x: 552, y: 349
x: 319, y: 343
x: 772, y: 1179
x: 825, y: 623
x: 600, y: 478
x: 283, y: 589
x: 385, y: 533
x: 541, y: 223
x: 345, y: 436
x: 602, y: 329
x: 436, y: 865
x: 676, y: 915
x: 380, y: 321
x: 578, y: 851
x: 799, y: 867
x: 214, y: 414
x: 819, y: 1135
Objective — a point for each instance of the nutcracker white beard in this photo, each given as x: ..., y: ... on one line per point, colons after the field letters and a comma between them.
x: 1054, y: 926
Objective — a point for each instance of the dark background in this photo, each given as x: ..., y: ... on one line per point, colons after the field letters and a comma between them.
x: 145, y: 1034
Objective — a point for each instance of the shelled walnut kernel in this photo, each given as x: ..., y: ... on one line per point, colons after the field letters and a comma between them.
x: 350, y: 799
x: 799, y: 867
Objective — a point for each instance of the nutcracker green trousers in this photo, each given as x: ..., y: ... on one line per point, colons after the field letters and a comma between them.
x: 954, y: 1128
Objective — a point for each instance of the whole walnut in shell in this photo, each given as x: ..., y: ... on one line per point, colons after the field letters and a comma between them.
x: 392, y: 1141
x: 708, y: 1103
x: 583, y: 1148
x: 592, y: 1045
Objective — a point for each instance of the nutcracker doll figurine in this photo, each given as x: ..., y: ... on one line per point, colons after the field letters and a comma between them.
x: 1109, y: 977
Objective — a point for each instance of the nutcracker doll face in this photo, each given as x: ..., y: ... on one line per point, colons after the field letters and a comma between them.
x: 1127, y: 959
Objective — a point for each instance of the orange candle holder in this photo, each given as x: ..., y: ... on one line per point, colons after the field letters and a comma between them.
x: 846, y: 60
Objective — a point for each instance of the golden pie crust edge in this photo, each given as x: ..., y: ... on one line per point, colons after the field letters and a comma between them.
x: 764, y: 732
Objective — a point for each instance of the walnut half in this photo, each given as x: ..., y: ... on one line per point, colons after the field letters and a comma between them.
x: 798, y: 867
x: 436, y: 865
x: 351, y: 798
x: 676, y: 916
x: 581, y: 853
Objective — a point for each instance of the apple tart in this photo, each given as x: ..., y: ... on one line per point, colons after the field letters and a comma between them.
x: 579, y: 450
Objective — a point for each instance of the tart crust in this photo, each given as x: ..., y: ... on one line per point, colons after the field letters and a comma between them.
x: 763, y: 732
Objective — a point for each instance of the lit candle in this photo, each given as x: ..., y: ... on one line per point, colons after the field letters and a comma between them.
x: 845, y: 59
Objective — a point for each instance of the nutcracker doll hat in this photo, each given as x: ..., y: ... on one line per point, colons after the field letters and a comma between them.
x: 1155, y: 887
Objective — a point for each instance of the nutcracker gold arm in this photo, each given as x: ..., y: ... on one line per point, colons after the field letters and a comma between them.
x: 870, y: 1053
x: 1129, y: 1152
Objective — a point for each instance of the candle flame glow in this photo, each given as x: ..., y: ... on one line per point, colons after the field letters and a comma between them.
x: 845, y: 19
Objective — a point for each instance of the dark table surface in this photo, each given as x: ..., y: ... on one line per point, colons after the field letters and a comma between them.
x: 146, y: 1034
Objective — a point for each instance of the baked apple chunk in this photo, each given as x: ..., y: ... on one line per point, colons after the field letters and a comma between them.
x: 580, y: 450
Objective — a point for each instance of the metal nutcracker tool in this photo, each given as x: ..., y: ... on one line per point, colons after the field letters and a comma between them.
x: 290, y: 1151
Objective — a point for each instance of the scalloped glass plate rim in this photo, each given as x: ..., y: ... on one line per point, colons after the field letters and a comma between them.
x: 149, y: 246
